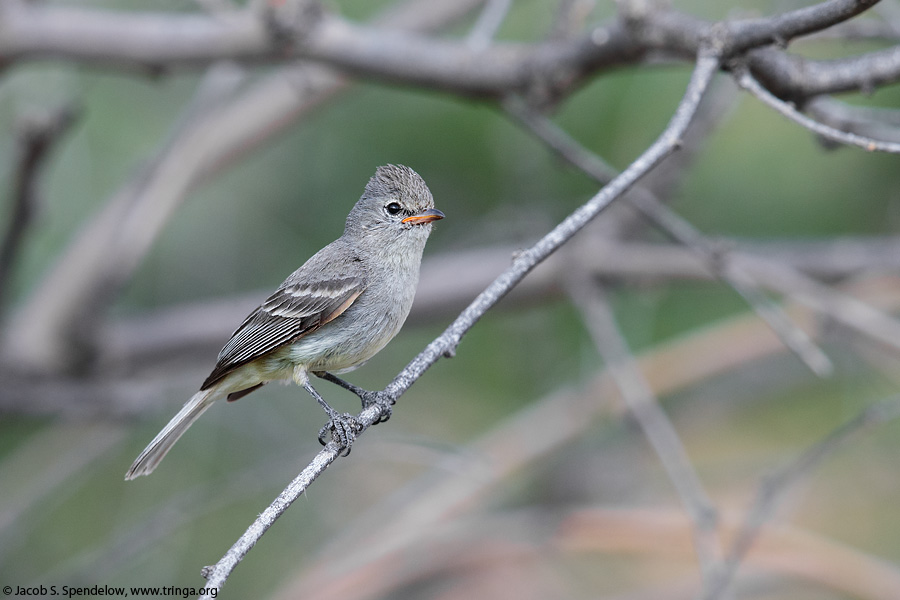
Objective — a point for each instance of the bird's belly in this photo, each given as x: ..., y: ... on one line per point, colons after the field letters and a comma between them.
x: 331, y: 349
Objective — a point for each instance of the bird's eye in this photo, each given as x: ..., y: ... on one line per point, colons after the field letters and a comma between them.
x: 393, y: 208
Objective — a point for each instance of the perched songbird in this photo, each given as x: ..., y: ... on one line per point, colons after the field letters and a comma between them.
x: 331, y: 315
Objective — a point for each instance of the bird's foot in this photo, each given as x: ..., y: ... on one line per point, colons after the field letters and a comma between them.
x: 343, y: 429
x: 382, y: 400
x: 366, y: 397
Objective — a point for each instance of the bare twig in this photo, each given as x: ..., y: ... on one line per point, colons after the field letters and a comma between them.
x: 217, y: 574
x: 719, y: 259
x: 773, y: 488
x: 713, y: 255
x: 843, y: 308
x: 445, y: 344
x: 667, y: 143
x: 871, y: 122
x: 657, y: 428
x: 747, y: 81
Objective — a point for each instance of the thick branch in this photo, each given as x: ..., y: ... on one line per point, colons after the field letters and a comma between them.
x: 780, y: 29
x: 797, y: 78
x: 154, y: 41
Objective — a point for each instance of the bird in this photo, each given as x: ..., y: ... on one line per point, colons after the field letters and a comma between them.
x: 329, y: 316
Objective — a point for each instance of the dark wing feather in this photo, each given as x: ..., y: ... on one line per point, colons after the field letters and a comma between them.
x: 293, y: 311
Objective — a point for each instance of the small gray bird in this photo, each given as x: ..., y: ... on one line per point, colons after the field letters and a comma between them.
x: 331, y: 315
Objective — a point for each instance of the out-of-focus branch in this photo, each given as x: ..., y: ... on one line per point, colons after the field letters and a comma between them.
x: 182, y: 340
x: 782, y: 548
x: 35, y: 137
x: 747, y: 82
x: 656, y: 426
x: 457, y: 484
x: 843, y: 308
x: 154, y: 41
x: 55, y: 329
x: 794, y: 77
x: 773, y: 488
x: 868, y: 122
x: 740, y: 35
x: 461, y: 549
x: 489, y: 21
x: 713, y: 255
x: 743, y: 271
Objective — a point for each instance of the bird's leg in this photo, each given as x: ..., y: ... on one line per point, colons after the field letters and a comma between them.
x: 343, y: 426
x: 367, y: 397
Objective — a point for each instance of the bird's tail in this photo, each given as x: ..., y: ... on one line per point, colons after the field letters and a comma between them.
x: 165, y: 439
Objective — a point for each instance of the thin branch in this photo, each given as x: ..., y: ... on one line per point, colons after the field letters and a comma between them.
x: 747, y: 82
x: 658, y: 429
x: 713, y: 255
x: 489, y: 21
x: 36, y: 135
x: 890, y: 12
x: 217, y: 574
x: 839, y: 306
x: 445, y: 344
x: 742, y: 270
x: 774, y: 487
x: 718, y: 258
x: 668, y: 142
x: 866, y: 121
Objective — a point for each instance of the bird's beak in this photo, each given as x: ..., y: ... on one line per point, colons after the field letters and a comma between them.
x: 425, y: 216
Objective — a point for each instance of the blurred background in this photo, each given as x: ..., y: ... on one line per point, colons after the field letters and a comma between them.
x: 511, y: 470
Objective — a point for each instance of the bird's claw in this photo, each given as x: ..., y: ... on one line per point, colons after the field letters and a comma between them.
x: 385, y: 402
x: 343, y: 429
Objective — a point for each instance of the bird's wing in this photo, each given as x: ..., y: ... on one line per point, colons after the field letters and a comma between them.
x: 294, y: 310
